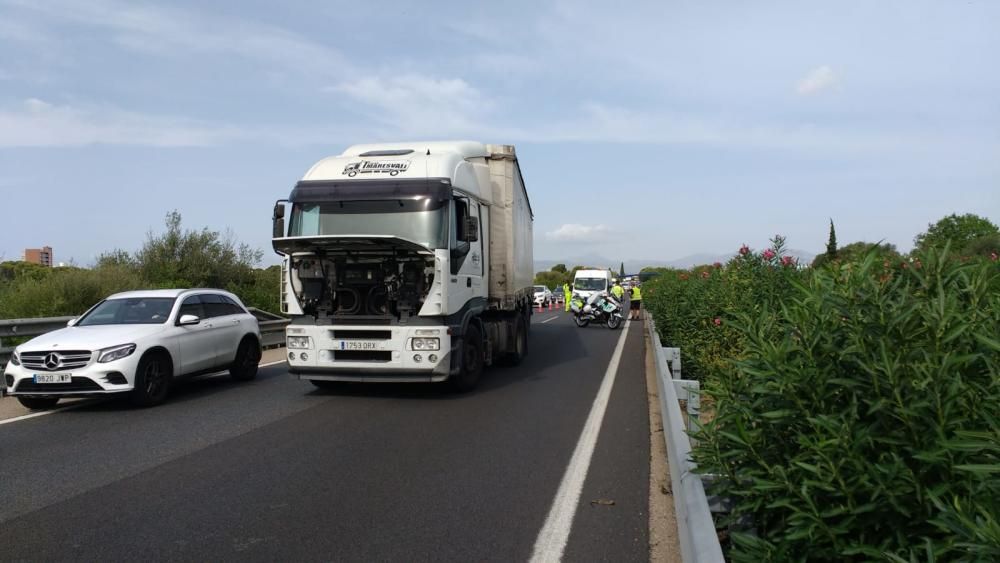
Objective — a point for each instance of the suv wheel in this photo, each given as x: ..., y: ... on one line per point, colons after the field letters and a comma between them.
x: 152, y: 380
x: 244, y: 367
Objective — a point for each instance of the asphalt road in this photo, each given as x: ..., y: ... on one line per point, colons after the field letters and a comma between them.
x: 276, y: 470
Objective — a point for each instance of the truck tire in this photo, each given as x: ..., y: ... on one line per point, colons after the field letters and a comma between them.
x: 472, y: 361
x: 520, y: 350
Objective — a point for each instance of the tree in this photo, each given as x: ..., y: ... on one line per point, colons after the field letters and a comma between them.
x: 960, y: 230
x: 179, y: 258
x: 983, y: 246
x: 831, y: 243
x: 621, y: 271
x: 550, y: 279
x: 561, y: 268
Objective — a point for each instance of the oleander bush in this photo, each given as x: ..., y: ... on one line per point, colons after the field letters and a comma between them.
x: 857, y: 406
x: 693, y: 308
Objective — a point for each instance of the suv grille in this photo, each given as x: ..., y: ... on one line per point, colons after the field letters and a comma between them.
x: 56, y: 361
x: 78, y: 385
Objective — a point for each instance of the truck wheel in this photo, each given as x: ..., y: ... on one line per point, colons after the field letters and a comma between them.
x: 152, y: 380
x: 472, y: 361
x: 516, y: 356
x: 244, y: 368
x: 38, y: 403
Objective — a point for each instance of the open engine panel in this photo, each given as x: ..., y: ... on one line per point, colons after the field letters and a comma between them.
x: 376, y: 286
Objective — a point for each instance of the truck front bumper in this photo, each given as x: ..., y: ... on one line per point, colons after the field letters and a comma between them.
x: 332, y: 357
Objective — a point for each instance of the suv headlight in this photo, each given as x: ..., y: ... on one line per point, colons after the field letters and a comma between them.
x: 15, y: 358
x: 298, y: 342
x: 115, y: 353
x: 425, y: 344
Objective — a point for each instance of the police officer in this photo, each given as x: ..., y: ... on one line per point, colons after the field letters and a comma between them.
x: 568, y: 294
x: 636, y: 302
x: 618, y: 291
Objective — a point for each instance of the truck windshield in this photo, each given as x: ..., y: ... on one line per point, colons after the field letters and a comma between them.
x: 423, y: 221
x: 591, y: 284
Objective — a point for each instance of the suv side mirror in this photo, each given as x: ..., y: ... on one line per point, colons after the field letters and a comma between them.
x: 470, y: 229
x: 187, y: 320
x: 72, y: 322
x: 278, y: 220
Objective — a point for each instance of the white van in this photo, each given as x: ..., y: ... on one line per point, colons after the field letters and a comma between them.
x: 588, y: 282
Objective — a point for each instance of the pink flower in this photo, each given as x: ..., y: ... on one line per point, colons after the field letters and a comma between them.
x: 744, y: 250
x: 684, y: 277
x: 705, y: 274
x: 717, y: 321
x: 994, y: 257
x: 786, y: 261
x: 718, y: 265
x: 768, y: 254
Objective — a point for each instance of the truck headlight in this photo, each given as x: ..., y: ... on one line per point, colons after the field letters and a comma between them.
x: 425, y: 343
x: 15, y: 358
x: 115, y: 353
x: 298, y: 342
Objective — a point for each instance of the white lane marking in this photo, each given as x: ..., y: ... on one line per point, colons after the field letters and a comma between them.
x: 53, y: 411
x: 551, y: 542
x: 549, y: 320
x: 97, y: 400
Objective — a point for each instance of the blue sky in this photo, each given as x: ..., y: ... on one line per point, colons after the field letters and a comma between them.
x: 645, y: 131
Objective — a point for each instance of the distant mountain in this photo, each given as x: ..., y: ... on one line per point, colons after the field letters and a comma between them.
x: 633, y: 265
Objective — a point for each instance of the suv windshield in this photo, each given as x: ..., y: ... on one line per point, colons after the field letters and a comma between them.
x: 591, y: 284
x: 539, y: 289
x: 423, y: 221
x: 129, y: 311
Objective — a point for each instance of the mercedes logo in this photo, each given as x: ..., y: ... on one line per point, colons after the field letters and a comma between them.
x: 52, y: 361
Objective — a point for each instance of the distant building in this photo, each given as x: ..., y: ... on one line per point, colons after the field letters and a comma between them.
x: 41, y: 255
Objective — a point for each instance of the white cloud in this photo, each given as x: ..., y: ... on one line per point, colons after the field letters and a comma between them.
x: 816, y: 80
x: 414, y: 104
x: 36, y: 123
x: 172, y: 32
x: 574, y: 232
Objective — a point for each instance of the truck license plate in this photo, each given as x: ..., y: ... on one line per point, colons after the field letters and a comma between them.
x: 53, y: 378
x: 360, y: 345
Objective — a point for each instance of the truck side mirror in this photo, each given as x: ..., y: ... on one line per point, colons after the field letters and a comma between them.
x: 470, y: 229
x: 278, y: 220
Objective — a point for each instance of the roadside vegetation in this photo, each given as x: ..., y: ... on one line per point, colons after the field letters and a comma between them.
x: 174, y: 258
x: 856, y: 401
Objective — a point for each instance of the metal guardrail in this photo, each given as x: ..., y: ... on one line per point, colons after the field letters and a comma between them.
x: 272, y: 330
x: 695, y: 527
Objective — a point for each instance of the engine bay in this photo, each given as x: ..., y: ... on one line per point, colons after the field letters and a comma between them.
x: 377, y: 286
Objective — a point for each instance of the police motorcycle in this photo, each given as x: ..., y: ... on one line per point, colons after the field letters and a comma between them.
x: 599, y: 308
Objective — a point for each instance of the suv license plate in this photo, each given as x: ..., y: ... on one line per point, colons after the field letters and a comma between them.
x: 360, y: 345
x: 53, y: 378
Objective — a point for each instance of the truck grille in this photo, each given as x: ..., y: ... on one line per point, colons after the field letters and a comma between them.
x: 362, y: 334
x: 56, y: 361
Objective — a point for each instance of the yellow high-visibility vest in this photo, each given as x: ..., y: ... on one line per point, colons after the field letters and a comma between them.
x: 636, y: 294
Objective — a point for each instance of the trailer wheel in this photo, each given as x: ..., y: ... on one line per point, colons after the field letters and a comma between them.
x: 516, y: 356
x: 472, y: 361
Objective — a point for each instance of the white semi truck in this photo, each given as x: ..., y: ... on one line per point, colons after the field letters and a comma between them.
x: 406, y: 262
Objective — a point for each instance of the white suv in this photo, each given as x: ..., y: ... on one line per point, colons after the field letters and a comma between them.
x: 137, y: 342
x: 542, y: 296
